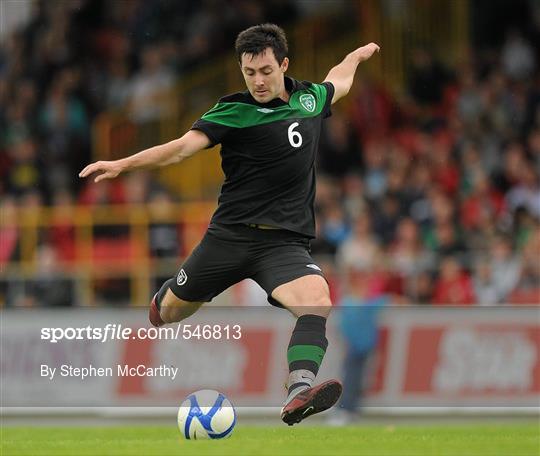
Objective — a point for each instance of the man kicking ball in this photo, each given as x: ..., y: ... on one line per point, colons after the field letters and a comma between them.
x: 262, y: 227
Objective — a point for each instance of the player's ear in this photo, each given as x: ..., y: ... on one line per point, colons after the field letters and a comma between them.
x: 284, y: 65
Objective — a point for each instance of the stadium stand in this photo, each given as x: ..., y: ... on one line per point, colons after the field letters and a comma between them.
x: 439, y: 183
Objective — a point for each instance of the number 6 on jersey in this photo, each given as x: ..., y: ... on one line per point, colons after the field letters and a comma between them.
x: 295, y: 138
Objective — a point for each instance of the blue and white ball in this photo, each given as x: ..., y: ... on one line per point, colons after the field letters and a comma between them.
x: 206, y: 414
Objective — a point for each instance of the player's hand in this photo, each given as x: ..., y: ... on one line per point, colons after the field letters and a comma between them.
x: 365, y: 52
x: 107, y: 170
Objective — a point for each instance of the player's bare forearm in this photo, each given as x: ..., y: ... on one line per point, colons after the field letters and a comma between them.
x: 165, y: 154
x: 342, y: 75
x: 161, y: 155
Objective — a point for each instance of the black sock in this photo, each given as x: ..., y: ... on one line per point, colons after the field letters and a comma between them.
x: 306, y: 351
x: 161, y: 293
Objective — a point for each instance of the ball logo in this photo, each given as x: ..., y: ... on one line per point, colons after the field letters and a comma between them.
x: 181, y: 279
x: 308, y: 102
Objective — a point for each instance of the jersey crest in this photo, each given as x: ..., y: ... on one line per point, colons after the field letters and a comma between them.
x: 308, y: 102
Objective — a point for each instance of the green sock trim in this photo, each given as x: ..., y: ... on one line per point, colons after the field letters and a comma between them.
x: 305, y: 353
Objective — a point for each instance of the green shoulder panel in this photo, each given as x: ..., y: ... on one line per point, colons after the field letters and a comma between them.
x: 311, y: 100
x: 303, y: 103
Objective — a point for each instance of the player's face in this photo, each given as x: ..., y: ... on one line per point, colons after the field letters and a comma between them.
x: 264, y: 75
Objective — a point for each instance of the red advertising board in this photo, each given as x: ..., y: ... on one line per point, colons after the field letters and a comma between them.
x: 473, y: 360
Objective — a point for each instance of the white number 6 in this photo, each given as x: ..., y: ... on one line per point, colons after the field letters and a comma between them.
x: 295, y: 138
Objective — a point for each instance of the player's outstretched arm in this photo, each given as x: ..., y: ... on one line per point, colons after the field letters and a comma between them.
x: 342, y: 75
x: 165, y: 154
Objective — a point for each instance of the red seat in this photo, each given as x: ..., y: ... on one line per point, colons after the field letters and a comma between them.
x: 120, y: 250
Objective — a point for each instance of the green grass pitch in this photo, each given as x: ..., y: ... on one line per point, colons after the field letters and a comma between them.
x: 487, y: 440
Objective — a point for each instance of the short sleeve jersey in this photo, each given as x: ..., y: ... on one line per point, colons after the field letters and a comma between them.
x: 268, y: 155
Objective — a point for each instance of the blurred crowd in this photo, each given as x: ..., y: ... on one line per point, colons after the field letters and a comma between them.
x: 75, y: 59
x: 71, y: 61
x: 432, y: 194
x: 435, y: 195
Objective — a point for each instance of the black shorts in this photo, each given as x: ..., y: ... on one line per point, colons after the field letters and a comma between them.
x: 228, y: 254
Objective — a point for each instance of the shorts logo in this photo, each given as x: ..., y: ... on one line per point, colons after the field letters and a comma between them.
x: 313, y: 266
x: 181, y: 279
x: 308, y: 102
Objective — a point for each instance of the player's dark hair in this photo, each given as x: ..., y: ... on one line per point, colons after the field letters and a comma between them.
x: 256, y: 39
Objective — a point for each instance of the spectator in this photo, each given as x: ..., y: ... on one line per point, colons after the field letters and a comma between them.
x: 117, y: 90
x: 444, y: 170
x: 523, y: 226
x: 410, y: 258
x: 371, y: 111
x: 517, y: 56
x: 485, y: 289
x: 442, y: 207
x: 385, y: 219
x: 417, y: 189
x: 360, y: 249
x: 481, y: 203
x: 526, y: 193
x: 453, y: 287
x: 472, y: 167
x: 375, y: 178
x: 469, y: 103
x: 19, y: 126
x: 353, y: 198
x: 529, y: 278
x: 149, y: 98
x: 419, y: 288
x: 501, y: 114
x: 50, y: 287
x: 64, y: 125
x: 446, y: 241
x: 359, y: 314
x: 335, y: 226
x: 512, y: 167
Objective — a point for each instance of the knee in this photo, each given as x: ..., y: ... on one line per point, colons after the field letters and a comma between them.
x: 321, y: 300
x: 323, y: 305
x: 317, y: 305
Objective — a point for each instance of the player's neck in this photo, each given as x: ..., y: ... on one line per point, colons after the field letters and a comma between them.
x: 283, y: 94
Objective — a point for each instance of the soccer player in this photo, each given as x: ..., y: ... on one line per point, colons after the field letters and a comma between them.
x: 262, y: 227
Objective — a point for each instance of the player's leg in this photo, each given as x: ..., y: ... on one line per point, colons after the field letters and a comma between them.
x: 306, y: 295
x: 166, y: 307
x: 292, y: 280
x: 213, y: 266
x: 308, y: 298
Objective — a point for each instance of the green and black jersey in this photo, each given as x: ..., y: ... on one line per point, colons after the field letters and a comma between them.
x: 268, y: 155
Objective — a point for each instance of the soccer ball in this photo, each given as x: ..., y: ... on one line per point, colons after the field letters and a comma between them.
x: 206, y: 414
